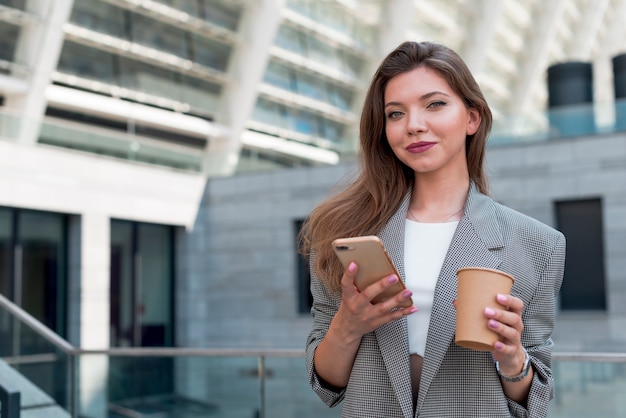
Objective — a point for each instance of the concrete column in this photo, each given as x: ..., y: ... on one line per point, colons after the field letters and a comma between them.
x: 396, y: 17
x: 94, y: 312
x: 259, y: 24
x: 38, y: 49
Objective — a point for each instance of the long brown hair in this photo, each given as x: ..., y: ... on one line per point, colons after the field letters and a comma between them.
x: 365, y: 206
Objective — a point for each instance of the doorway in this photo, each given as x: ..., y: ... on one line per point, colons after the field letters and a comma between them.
x: 33, y: 264
x: 142, y: 302
x: 33, y: 275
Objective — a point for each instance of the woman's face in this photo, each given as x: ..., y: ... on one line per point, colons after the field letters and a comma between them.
x: 426, y: 122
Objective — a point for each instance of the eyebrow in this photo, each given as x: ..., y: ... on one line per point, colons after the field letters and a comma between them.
x: 423, y: 97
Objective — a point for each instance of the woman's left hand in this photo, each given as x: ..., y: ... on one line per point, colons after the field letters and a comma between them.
x: 507, y: 322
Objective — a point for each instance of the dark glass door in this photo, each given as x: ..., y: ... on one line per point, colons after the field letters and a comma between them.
x: 33, y: 264
x: 142, y: 278
x: 6, y: 252
x: 33, y: 275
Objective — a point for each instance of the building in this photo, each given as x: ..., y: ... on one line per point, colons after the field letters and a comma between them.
x: 140, y: 142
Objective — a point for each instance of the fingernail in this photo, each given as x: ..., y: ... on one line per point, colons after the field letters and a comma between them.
x: 501, y: 298
x: 406, y: 293
x: 392, y: 279
x: 493, y: 324
x: 489, y: 312
x: 351, y: 267
x: 499, y: 346
x: 413, y: 310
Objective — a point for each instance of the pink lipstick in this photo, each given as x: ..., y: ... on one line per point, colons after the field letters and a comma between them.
x: 421, y: 146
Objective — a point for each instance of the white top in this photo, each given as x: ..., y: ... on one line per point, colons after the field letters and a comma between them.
x: 425, y: 248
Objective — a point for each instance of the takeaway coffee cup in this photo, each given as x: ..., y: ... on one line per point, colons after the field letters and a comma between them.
x: 477, y: 289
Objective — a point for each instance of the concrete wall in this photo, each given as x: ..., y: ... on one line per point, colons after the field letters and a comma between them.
x: 241, y: 290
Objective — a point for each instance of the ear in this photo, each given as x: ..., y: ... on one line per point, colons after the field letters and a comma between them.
x: 473, y: 121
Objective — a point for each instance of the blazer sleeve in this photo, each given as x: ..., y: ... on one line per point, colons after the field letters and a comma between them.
x: 325, y: 305
x: 538, y: 319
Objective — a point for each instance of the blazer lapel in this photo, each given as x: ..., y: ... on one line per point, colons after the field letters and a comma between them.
x: 476, y: 237
x: 392, y: 337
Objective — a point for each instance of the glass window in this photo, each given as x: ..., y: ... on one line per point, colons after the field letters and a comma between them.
x: 100, y: 17
x: 311, y: 87
x: 141, y: 294
x: 8, y: 40
x: 200, y: 94
x: 149, y: 79
x: 43, y: 253
x: 584, y: 279
x: 304, y: 122
x: 321, y: 52
x: 305, y: 298
x: 279, y: 75
x: 221, y: 14
x: 15, y: 4
x: 122, y: 316
x: 301, y: 6
x: 158, y: 35
x: 33, y: 274
x: 86, y: 62
x: 142, y: 278
x: 352, y: 64
x: 334, y: 17
x: 332, y: 131
x: 290, y: 39
x: 6, y: 252
x: 188, y: 6
x: 270, y: 113
x: 340, y: 97
x: 209, y: 52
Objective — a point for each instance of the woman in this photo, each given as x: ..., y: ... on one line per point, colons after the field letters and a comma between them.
x: 422, y: 189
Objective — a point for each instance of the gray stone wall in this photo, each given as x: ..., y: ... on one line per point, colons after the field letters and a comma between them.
x: 239, y: 284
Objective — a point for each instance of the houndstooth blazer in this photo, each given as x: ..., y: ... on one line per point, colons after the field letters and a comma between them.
x: 455, y: 381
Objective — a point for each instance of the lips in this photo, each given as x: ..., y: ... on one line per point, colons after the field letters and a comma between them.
x: 421, y: 146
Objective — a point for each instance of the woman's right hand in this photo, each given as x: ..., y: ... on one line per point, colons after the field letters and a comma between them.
x: 357, y: 315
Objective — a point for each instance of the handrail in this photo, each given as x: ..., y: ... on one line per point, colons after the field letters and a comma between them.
x: 10, y: 399
x: 590, y: 357
x: 67, y: 348
x: 37, y: 326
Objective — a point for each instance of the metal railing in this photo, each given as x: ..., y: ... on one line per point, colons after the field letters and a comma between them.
x: 572, y: 369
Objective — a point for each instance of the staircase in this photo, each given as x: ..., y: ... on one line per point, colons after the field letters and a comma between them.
x: 34, y: 403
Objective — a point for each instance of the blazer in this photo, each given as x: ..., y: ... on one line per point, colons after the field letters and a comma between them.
x: 455, y: 381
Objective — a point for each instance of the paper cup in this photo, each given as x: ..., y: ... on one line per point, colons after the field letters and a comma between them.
x: 477, y: 289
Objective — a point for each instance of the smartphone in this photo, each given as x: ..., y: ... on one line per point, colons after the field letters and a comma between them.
x: 369, y: 253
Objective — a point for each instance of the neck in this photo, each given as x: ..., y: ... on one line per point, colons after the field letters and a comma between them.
x: 438, y: 201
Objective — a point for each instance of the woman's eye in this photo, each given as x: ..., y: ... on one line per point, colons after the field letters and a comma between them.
x: 393, y: 115
x: 438, y: 103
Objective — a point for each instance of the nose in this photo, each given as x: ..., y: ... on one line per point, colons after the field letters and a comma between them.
x: 416, y: 122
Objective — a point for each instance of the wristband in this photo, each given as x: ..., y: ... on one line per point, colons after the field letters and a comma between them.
x: 518, y: 377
